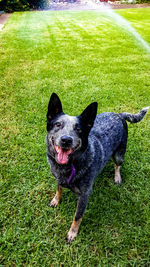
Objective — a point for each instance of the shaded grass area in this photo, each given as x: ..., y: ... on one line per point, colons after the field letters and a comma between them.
x: 83, y: 57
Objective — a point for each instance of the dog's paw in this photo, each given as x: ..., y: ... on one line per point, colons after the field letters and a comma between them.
x: 73, y: 230
x: 118, y: 181
x: 54, y: 202
x: 71, y: 235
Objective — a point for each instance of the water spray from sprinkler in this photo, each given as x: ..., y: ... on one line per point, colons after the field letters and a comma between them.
x: 122, y: 22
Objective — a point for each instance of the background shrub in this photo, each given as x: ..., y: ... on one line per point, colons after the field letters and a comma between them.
x: 21, y: 5
x: 38, y: 4
x: 2, y: 4
x: 143, y: 1
x: 16, y: 5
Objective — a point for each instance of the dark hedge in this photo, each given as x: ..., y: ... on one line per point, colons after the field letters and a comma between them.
x: 21, y: 5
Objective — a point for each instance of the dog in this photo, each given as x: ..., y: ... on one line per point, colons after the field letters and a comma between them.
x: 78, y: 148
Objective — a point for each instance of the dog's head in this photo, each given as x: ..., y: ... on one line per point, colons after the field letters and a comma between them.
x: 67, y: 135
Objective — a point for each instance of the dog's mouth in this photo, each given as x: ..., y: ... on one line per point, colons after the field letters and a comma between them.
x: 62, y: 154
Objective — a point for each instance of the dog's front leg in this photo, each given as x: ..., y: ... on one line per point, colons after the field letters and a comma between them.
x: 81, y: 205
x: 57, y: 197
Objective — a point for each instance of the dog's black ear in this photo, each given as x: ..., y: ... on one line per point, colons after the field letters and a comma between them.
x: 89, y: 114
x: 54, y: 107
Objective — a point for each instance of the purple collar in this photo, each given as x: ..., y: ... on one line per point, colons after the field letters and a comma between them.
x: 73, y: 172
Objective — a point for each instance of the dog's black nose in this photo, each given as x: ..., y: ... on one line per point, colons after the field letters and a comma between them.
x: 66, y: 140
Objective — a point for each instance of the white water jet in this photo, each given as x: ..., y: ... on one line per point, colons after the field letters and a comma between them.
x: 100, y: 7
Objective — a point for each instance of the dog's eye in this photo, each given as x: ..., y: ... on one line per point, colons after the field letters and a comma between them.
x: 57, y: 124
x: 78, y: 129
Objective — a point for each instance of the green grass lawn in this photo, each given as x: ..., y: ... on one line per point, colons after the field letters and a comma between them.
x: 83, y: 57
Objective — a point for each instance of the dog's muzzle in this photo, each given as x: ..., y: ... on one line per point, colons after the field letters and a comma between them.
x: 64, y: 148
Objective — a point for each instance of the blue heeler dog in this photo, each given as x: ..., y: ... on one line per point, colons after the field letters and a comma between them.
x: 79, y: 147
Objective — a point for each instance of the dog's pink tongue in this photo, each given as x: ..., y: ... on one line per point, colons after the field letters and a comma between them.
x: 62, y: 155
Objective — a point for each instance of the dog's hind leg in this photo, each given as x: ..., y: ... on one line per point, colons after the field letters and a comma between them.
x: 118, y: 157
x: 118, y: 179
x: 57, y: 197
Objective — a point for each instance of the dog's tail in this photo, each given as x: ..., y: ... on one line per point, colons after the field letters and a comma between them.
x: 135, y: 118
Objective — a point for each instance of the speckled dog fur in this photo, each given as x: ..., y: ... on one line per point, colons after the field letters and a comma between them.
x: 88, y: 142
